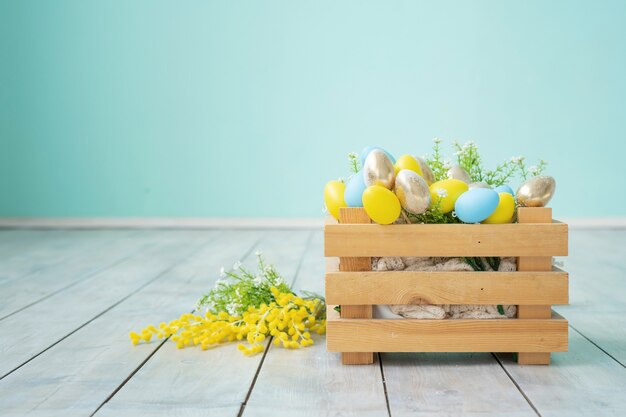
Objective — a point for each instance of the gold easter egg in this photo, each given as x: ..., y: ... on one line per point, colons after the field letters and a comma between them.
x: 412, y: 191
x: 378, y: 170
x: 427, y: 173
x: 457, y: 172
x: 536, y: 191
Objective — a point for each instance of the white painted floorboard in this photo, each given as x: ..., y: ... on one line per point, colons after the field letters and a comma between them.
x: 68, y: 299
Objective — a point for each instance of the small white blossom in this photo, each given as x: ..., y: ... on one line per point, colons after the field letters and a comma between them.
x: 220, y: 282
x: 258, y: 253
x: 447, y: 163
x: 441, y: 192
x: 237, y: 265
x: 222, y: 272
x: 517, y: 159
x: 533, y: 169
x: 437, y: 140
x: 258, y: 280
x: 352, y: 155
x: 232, y: 308
x: 453, y: 213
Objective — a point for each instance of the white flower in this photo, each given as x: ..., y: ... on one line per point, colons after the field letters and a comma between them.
x: 453, y: 213
x: 458, y: 153
x: 447, y: 163
x: 220, y: 282
x: 437, y: 140
x: 222, y: 272
x: 441, y: 192
x: 352, y: 155
x: 517, y: 159
x: 232, y: 308
x: 258, y: 280
x: 258, y: 253
x: 533, y: 169
x: 237, y: 265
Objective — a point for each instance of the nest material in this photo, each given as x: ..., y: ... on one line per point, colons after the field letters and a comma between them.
x: 445, y: 311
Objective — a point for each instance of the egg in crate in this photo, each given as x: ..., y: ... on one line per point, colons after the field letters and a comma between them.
x: 476, y: 205
x: 505, y: 210
x: 354, y: 190
x: 445, y: 193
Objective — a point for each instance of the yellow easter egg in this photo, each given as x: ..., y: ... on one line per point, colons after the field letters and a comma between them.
x: 381, y: 204
x: 447, y: 191
x: 408, y: 162
x: 504, y: 211
x: 333, y: 197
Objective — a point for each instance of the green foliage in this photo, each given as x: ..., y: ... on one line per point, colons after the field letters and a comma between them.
x: 468, y: 157
x: 239, y: 289
x: 437, y: 164
x: 432, y: 215
x: 353, y: 160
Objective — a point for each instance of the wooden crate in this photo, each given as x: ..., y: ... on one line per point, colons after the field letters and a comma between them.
x: 534, y: 288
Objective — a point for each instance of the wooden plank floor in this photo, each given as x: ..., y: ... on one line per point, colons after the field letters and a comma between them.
x: 69, y: 298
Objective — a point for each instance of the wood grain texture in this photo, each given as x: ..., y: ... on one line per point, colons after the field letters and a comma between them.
x: 355, y: 216
x: 466, y: 335
x: 413, y: 287
x: 446, y: 240
x: 193, y: 382
x: 311, y: 382
x: 534, y: 263
x: 79, y: 373
x: 31, y: 331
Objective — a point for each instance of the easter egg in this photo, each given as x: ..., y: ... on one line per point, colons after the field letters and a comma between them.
x: 504, y: 211
x: 458, y: 173
x: 536, y: 191
x: 381, y: 205
x: 353, y: 195
x: 476, y: 205
x: 480, y: 184
x: 366, y: 151
x: 408, y: 162
x: 504, y: 189
x: 333, y: 197
x: 412, y: 191
x: 378, y: 169
x: 427, y: 173
x: 445, y: 192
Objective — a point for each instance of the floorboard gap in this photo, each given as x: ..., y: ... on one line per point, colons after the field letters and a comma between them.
x: 598, y: 346
x: 256, y: 375
x: 382, y: 374
x: 516, y: 385
x: 132, y: 374
x: 112, y: 306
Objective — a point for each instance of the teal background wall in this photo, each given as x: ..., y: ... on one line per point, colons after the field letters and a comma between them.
x: 246, y: 108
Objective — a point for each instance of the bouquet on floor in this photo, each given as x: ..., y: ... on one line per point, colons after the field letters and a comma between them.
x: 246, y: 306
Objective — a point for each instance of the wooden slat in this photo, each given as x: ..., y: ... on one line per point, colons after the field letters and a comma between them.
x: 417, y: 287
x: 358, y: 311
x: 446, y: 240
x: 534, y: 263
x: 466, y: 335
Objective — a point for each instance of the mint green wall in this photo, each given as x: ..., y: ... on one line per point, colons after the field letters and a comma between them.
x: 246, y: 108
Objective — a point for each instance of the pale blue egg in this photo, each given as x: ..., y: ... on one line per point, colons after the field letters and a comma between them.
x: 476, y: 205
x: 504, y: 189
x: 369, y: 149
x: 353, y: 195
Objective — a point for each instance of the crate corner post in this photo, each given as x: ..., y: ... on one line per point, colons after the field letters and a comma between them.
x: 534, y: 263
x: 349, y: 215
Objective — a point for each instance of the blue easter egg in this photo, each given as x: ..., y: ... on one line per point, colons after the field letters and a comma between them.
x: 353, y: 196
x: 504, y: 189
x: 369, y: 149
x: 476, y: 205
